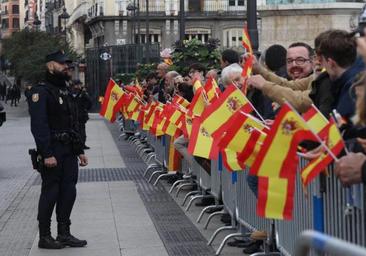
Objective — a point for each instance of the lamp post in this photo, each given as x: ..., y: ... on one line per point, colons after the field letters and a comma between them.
x: 252, y: 23
x: 147, y: 35
x: 65, y: 16
x: 182, y: 24
x: 36, y: 22
x: 131, y: 7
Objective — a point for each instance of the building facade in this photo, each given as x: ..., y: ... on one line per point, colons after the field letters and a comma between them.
x: 98, y: 23
x: 10, y: 19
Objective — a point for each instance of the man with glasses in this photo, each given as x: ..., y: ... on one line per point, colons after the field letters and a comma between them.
x: 302, y: 92
x: 299, y: 60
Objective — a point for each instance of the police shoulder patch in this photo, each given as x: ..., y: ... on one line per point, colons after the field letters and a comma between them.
x: 35, y: 97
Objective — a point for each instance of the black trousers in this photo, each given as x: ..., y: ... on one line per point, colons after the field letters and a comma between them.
x: 59, y: 186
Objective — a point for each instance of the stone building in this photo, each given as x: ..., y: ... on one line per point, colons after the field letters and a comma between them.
x: 10, y: 21
x: 97, y: 23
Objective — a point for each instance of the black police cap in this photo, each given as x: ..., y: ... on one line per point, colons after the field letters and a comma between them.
x: 59, y: 57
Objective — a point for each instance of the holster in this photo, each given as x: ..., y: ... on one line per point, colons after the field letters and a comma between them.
x: 37, y: 160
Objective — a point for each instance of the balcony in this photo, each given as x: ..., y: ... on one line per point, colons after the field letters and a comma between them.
x: 193, y: 8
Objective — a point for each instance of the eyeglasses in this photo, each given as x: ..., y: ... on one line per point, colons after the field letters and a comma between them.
x: 298, y: 61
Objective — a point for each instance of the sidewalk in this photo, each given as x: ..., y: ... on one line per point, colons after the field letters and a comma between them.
x: 109, y: 215
x: 117, y: 211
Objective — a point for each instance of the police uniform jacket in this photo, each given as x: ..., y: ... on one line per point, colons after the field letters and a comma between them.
x: 53, y: 111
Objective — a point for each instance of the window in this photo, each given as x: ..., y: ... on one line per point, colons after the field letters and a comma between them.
x: 15, y: 9
x: 5, y: 23
x: 201, y: 34
x: 232, y: 37
x: 236, y: 2
x: 195, y: 5
x: 16, y: 23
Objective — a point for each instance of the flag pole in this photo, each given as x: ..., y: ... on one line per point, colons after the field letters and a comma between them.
x: 255, y: 110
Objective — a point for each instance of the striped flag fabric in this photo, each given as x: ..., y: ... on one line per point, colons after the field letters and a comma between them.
x: 198, y: 103
x: 221, y: 112
x: 277, y: 157
x: 275, y: 197
x: 240, y: 141
x: 246, y: 40
x: 334, y: 141
x: 200, y: 142
x: 212, y: 90
x: 112, y: 102
x: 177, y: 99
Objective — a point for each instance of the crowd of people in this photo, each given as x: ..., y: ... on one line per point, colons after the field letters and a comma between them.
x: 331, y: 75
x: 10, y: 93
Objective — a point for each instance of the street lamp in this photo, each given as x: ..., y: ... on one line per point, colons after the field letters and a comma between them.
x: 132, y: 8
x: 252, y: 23
x: 65, y: 16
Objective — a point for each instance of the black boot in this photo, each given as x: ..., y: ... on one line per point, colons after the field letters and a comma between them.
x: 65, y: 238
x: 46, y: 241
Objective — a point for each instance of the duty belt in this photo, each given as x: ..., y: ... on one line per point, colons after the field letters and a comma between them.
x: 63, y: 137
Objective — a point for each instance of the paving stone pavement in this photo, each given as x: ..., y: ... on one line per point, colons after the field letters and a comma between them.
x: 117, y: 211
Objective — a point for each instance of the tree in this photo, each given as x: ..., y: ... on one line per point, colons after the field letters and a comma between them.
x: 26, y: 51
x: 194, y: 51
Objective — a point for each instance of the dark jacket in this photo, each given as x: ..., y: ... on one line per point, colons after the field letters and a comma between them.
x: 345, y: 98
x: 321, y: 94
x: 52, y: 111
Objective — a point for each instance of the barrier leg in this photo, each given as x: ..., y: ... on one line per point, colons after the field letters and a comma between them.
x: 195, y: 198
x: 205, y: 209
x: 151, y: 166
x: 175, y: 184
x: 225, y: 240
x: 164, y: 175
x: 181, y: 187
x: 155, y: 173
x: 218, y: 231
x: 211, y: 216
x: 149, y: 157
x: 188, y: 195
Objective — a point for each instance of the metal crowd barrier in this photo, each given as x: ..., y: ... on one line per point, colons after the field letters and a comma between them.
x: 246, y: 205
x: 344, y: 211
x: 326, y: 206
x: 306, y: 215
x: 216, y: 169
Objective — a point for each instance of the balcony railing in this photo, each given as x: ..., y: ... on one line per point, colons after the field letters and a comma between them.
x: 192, y: 8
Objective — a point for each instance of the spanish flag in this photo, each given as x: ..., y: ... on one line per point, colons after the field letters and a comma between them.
x: 177, y: 99
x: 174, y: 159
x: 230, y: 160
x: 200, y: 142
x: 315, y: 119
x: 113, y: 101
x: 275, y: 197
x: 246, y: 40
x: 277, y: 157
x: 334, y: 141
x: 244, y: 136
x: 198, y: 103
x: 220, y: 113
x: 247, y: 71
x: 212, y: 90
x: 149, y: 115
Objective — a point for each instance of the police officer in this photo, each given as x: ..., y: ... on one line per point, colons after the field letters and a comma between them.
x: 54, y: 125
x: 84, y: 103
